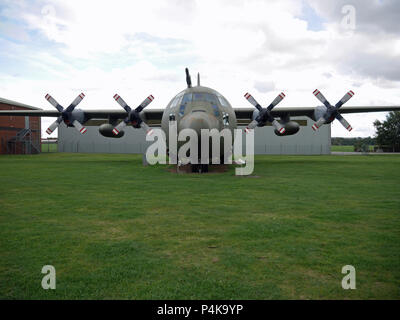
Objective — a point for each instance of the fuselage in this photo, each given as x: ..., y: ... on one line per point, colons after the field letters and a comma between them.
x: 199, y: 108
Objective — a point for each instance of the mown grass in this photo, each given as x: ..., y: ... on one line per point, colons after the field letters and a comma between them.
x: 114, y: 229
x: 348, y: 148
x: 342, y: 148
x: 49, y: 147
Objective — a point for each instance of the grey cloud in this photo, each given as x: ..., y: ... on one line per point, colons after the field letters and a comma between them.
x: 372, y: 65
x: 371, y: 15
x: 357, y: 84
x: 364, y: 54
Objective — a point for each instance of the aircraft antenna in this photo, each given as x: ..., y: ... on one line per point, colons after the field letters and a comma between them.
x: 188, y: 79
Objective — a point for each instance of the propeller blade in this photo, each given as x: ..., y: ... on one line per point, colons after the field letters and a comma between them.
x: 278, y: 127
x: 79, y: 127
x: 54, y: 103
x: 318, y: 124
x: 277, y: 100
x: 53, y: 126
x: 253, y: 101
x: 119, y: 127
x: 321, y: 98
x: 344, y: 122
x: 74, y: 103
x: 265, y: 113
x: 145, y: 103
x: 346, y: 98
x: 332, y: 112
x: 146, y: 128
x: 251, y: 126
x: 122, y: 103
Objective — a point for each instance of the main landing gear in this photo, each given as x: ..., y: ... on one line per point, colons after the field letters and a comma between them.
x: 199, y: 168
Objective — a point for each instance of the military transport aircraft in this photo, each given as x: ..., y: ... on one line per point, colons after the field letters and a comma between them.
x: 198, y: 107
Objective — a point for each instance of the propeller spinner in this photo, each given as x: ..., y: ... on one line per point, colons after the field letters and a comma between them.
x: 133, y: 115
x: 265, y: 113
x: 67, y: 114
x: 332, y: 112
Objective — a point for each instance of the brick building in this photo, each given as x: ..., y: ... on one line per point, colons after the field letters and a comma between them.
x: 19, y: 134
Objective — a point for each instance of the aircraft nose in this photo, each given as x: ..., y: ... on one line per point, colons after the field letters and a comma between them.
x: 197, y: 121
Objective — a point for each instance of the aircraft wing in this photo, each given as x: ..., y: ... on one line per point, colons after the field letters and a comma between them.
x: 150, y: 114
x: 362, y: 109
x: 246, y: 113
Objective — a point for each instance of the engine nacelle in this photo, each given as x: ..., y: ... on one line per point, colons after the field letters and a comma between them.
x: 291, y: 128
x: 255, y: 114
x: 106, y: 131
x: 319, y: 112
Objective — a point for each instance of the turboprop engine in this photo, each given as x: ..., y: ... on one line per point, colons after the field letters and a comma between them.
x: 291, y: 128
x: 106, y: 130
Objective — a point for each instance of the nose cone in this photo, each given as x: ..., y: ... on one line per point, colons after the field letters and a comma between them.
x: 197, y: 121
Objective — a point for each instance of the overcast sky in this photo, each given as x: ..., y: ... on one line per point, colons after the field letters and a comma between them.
x: 137, y: 48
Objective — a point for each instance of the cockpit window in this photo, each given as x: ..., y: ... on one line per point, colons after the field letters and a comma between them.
x: 208, y: 97
x: 176, y: 101
x: 216, y: 110
x: 223, y: 101
x: 187, y: 98
x: 199, y: 97
x: 182, y: 110
x: 213, y: 99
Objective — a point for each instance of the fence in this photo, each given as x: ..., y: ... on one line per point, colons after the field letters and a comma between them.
x: 49, y: 145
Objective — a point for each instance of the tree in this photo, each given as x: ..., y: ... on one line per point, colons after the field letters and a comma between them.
x: 388, y: 132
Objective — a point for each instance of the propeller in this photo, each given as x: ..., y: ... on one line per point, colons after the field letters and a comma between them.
x: 66, y: 114
x: 332, y: 112
x: 133, y: 115
x: 265, y: 113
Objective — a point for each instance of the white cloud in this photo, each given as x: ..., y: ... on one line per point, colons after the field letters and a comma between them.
x: 137, y: 48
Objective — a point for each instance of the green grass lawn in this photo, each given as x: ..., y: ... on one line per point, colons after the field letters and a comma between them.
x: 342, y: 148
x: 347, y: 148
x: 49, y: 147
x: 115, y: 229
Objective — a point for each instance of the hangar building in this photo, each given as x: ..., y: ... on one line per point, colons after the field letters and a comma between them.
x: 305, y: 142
x: 19, y: 135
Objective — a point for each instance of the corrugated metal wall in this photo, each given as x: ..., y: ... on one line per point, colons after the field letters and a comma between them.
x: 305, y: 142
